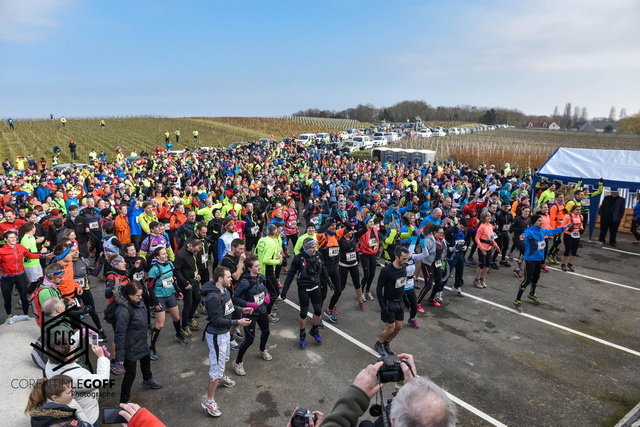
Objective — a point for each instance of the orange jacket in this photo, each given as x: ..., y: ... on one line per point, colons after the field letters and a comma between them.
x: 556, y: 214
x: 68, y: 287
x: 578, y: 225
x: 123, y: 230
x: 485, y: 231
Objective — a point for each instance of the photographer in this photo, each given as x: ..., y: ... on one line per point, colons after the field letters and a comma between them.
x: 419, y: 401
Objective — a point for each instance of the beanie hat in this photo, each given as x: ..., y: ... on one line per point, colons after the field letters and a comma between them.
x: 117, y: 260
x: 534, y: 219
x: 367, y: 219
x: 308, y: 244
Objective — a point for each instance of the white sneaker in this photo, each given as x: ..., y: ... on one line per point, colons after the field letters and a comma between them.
x: 439, y: 297
x: 369, y: 296
x: 227, y: 382
x: 212, y: 407
x: 458, y: 291
x: 273, y: 318
x: 265, y: 355
x: 239, y: 368
x: 234, y: 345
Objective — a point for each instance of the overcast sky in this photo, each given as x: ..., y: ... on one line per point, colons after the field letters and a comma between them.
x: 257, y: 58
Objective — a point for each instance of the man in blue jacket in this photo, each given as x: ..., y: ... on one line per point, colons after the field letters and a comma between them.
x: 534, y: 244
x: 136, y: 231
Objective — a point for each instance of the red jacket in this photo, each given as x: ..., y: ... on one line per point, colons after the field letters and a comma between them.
x: 145, y: 418
x: 11, y: 259
x: 15, y: 225
x: 366, y: 238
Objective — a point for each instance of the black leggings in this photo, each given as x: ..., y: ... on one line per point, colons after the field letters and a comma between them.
x: 294, y: 240
x: 517, y: 244
x: 433, y: 283
x: 190, y: 301
x: 557, y: 239
x: 411, y: 300
x: 530, y: 277
x: 87, y: 300
x: 368, y: 271
x: 20, y: 281
x: 503, y: 242
x: 355, y: 276
x: 571, y: 245
x: 250, y: 333
x: 334, y: 275
x: 272, y: 286
x: 316, y: 300
x: 484, y: 259
x: 130, y: 376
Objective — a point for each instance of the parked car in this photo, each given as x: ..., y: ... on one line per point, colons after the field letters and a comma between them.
x: 391, y: 136
x: 380, y: 141
x: 306, y: 138
x: 452, y: 131
x: 236, y: 145
x: 364, y: 142
x: 266, y: 141
x: 323, y: 136
x: 424, y: 133
x: 349, y: 146
x: 438, y: 132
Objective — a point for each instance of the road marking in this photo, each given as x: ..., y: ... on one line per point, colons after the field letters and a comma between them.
x: 555, y: 325
x: 631, y: 417
x: 369, y: 350
x: 618, y: 250
x: 595, y: 278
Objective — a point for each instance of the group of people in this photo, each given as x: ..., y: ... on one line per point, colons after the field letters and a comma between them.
x: 227, y: 232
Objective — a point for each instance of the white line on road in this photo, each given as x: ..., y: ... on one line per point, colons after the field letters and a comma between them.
x: 555, y: 325
x: 369, y: 350
x: 618, y: 250
x: 595, y: 278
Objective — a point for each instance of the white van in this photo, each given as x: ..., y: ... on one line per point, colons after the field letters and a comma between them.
x: 306, y: 138
x: 364, y: 142
x: 323, y: 136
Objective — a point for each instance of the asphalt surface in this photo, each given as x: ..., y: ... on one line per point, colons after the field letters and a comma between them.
x: 511, y: 367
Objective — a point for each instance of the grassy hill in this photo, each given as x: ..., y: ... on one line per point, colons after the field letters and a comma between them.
x: 37, y: 137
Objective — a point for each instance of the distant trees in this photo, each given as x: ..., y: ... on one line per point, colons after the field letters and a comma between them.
x: 489, y: 117
x: 623, y: 113
x: 612, y: 114
x: 630, y: 124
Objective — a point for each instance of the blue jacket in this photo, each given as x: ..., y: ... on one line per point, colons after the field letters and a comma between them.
x: 636, y: 211
x: 133, y: 213
x: 429, y: 219
x: 43, y: 193
x: 533, y: 238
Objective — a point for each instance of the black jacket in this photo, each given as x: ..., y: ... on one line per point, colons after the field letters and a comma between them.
x: 186, y: 268
x: 308, y: 269
x: 251, y: 289
x: 131, y: 328
x: 612, y: 209
x: 52, y: 413
x: 220, y: 308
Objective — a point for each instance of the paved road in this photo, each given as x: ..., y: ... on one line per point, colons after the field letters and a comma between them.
x: 514, y: 368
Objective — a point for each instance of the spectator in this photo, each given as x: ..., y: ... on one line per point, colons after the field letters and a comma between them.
x: 611, y: 212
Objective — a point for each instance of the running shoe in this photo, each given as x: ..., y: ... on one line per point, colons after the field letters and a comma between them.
x: 265, y: 355
x: 212, y: 407
x: 186, y: 333
x: 563, y: 267
x: 153, y: 355
x: 434, y: 302
x: 381, y: 351
x: 321, y: 324
x: 483, y: 283
x: 303, y: 342
x: 504, y: 263
x: 279, y: 300
x: 361, y: 305
x: 274, y: 307
x: 471, y: 261
x: 478, y: 284
x: 494, y: 266
x: 182, y: 340
x: 518, y: 306
x: 544, y: 268
x: 193, y: 325
x: 458, y: 291
x: 369, y: 296
x: 335, y: 310
x: 535, y: 299
x: 273, y: 318
x: 439, y: 297
x: 234, y: 345
x: 511, y: 258
x: 332, y: 318
x: 239, y: 368
x: 388, y: 349
x: 102, y: 335
x: 420, y: 309
x: 227, y: 382
x: 414, y: 323
x: 152, y: 384
x: 238, y: 334
x: 552, y: 259
x: 117, y: 368
x: 202, y: 308
x: 363, y: 298
x: 316, y: 336
x: 570, y: 267
x: 517, y: 273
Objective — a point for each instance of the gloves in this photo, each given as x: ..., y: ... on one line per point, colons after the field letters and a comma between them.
x: 267, y: 298
x: 252, y: 305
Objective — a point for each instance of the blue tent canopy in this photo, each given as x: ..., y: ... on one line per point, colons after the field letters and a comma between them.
x: 618, y: 168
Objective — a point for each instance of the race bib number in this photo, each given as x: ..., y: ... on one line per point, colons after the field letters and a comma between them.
x: 437, y: 264
x: 166, y: 226
x: 334, y: 251
x: 255, y: 230
x: 138, y: 276
x: 506, y: 227
x: 228, y: 308
x: 80, y: 281
x: 494, y: 236
x: 401, y: 282
x: 314, y: 220
x: 352, y: 256
x: 93, y: 226
x: 167, y: 283
x: 575, y: 234
x: 259, y: 299
x: 373, y: 242
x: 408, y: 284
x: 292, y: 224
x: 203, y: 258
x: 542, y: 245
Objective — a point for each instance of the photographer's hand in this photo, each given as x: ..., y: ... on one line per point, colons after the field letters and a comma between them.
x: 405, y: 369
x: 367, y: 380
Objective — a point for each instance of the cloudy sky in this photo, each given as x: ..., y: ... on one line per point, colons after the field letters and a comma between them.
x: 256, y: 58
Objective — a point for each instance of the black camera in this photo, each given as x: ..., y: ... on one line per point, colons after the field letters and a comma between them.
x: 459, y: 246
x: 390, y: 371
x: 301, y: 417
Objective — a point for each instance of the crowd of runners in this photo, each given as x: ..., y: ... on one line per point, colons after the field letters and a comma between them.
x: 216, y: 239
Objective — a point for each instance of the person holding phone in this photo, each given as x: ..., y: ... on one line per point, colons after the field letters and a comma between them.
x: 51, y: 402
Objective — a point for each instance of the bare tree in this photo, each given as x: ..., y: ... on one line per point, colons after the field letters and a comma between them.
x: 576, y: 113
x: 566, y: 117
x: 556, y: 113
x: 584, y: 116
x: 612, y: 114
x: 623, y: 113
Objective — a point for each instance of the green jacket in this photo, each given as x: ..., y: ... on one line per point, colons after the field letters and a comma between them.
x: 348, y: 409
x: 301, y: 239
x: 269, y: 252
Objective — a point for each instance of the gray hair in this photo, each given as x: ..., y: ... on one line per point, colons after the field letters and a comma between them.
x: 421, y: 403
x: 272, y: 229
x: 50, y: 305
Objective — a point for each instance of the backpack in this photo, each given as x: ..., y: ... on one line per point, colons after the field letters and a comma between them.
x: 38, y: 357
x: 110, y: 312
x: 35, y: 304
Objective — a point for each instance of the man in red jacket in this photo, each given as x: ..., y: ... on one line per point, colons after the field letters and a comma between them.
x: 10, y: 222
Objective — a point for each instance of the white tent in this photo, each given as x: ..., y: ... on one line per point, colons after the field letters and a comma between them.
x: 619, y: 169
